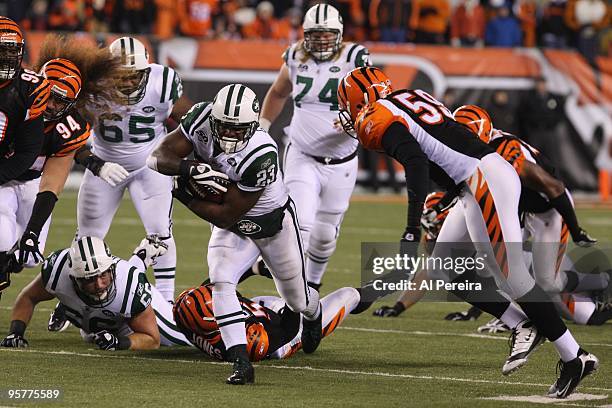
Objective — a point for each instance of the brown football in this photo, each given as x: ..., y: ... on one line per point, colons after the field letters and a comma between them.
x: 201, y: 193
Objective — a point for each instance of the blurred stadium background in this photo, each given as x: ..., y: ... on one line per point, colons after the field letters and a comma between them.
x: 542, y: 68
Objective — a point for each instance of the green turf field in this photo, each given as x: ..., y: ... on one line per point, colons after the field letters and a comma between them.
x: 415, y: 360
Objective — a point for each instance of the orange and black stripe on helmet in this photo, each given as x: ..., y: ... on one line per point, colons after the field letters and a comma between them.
x: 66, y: 82
x: 193, y: 310
x: 12, y: 45
x: 257, y: 341
x: 357, y: 89
x: 476, y: 119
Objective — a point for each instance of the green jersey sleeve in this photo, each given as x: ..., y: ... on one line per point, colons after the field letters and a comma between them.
x: 259, y: 168
x: 142, y: 294
x: 58, y: 259
x: 195, y: 118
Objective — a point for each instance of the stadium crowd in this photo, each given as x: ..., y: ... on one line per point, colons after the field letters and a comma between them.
x: 583, y: 24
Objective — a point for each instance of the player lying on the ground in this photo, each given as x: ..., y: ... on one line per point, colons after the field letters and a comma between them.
x: 252, y: 215
x: 421, y: 133
x: 271, y: 333
x: 108, y: 298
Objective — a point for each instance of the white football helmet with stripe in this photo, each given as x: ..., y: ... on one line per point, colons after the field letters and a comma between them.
x: 234, y: 117
x: 135, y: 60
x: 320, y: 19
x: 90, y: 257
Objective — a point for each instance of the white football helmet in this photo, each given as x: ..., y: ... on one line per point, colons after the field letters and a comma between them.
x: 234, y: 117
x: 89, y: 258
x: 135, y: 60
x: 322, y: 18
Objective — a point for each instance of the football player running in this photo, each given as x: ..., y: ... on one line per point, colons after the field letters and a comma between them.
x: 269, y: 334
x: 66, y: 130
x: 125, y: 136
x: 108, y: 298
x: 256, y: 216
x: 420, y: 132
x: 23, y: 99
x: 320, y: 164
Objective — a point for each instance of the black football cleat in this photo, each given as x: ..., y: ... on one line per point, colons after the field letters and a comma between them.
x: 312, y: 333
x: 58, y: 322
x: 243, y: 372
x: 572, y: 373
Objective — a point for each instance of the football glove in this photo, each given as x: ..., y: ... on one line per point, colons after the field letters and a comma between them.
x: 14, y: 341
x: 149, y: 249
x: 28, y: 245
x: 112, y: 173
x: 204, y: 175
x: 584, y: 240
x: 388, y: 311
x: 106, y: 340
x: 428, y: 218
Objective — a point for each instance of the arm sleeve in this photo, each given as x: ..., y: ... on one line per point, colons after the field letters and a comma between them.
x: 28, y: 145
x: 564, y: 206
x: 401, y: 145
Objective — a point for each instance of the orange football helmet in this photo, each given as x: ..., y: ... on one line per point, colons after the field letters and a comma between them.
x: 432, y: 226
x: 193, y: 310
x: 65, y: 80
x: 257, y: 341
x: 356, y: 90
x: 476, y: 119
x: 11, y: 48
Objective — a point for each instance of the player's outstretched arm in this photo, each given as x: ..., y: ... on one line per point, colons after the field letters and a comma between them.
x: 54, y: 175
x: 236, y: 203
x: 401, y: 145
x: 540, y: 180
x: 22, y: 312
x: 112, y: 173
x: 275, y: 98
x: 146, y: 332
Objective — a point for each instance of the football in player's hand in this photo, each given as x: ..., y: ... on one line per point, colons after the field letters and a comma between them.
x: 201, y: 192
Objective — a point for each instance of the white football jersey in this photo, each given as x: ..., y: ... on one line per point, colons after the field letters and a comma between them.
x: 132, y: 295
x: 315, y: 101
x: 129, y: 133
x: 253, y: 168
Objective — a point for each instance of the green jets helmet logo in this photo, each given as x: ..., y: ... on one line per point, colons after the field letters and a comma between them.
x: 256, y: 106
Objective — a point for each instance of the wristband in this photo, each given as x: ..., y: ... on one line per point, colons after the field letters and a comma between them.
x: 124, y: 343
x: 42, y: 209
x: 186, y: 166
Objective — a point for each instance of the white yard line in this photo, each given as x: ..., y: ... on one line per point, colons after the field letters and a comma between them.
x: 385, y: 331
x: 304, y: 368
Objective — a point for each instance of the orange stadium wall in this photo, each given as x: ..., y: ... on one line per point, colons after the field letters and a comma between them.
x: 581, y: 144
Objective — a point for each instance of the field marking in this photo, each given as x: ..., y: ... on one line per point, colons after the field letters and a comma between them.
x: 389, y: 331
x: 306, y: 368
x: 542, y: 399
x: 426, y: 333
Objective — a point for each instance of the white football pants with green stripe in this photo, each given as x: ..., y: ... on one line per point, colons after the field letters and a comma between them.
x: 229, y: 255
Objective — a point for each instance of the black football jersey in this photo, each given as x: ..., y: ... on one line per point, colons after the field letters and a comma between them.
x: 22, y: 99
x: 62, y: 137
